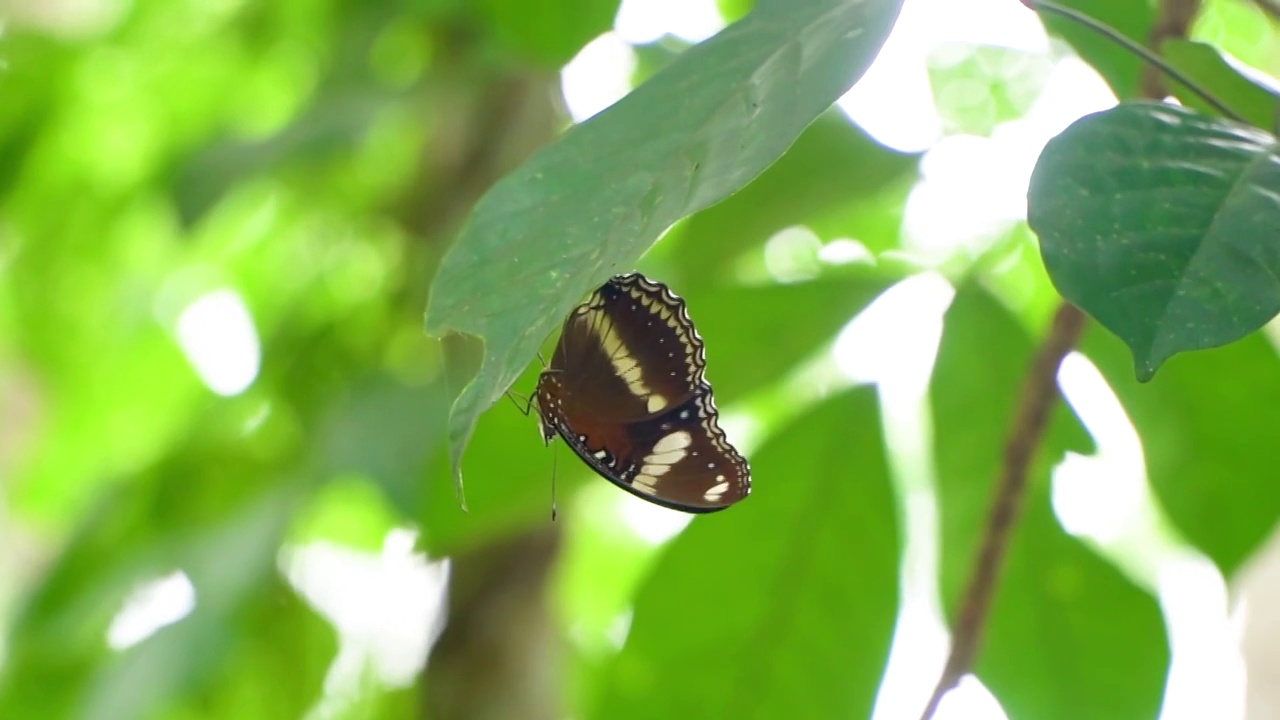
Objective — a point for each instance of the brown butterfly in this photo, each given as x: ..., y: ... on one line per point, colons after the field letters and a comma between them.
x: 626, y: 390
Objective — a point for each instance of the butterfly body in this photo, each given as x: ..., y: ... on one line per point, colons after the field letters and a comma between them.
x: 626, y: 390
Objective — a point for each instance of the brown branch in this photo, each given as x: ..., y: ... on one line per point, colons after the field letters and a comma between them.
x: 1039, y: 392
x: 1173, y: 23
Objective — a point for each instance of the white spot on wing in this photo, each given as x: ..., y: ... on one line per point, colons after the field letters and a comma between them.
x: 674, y: 441
x: 717, y: 491
x: 667, y: 458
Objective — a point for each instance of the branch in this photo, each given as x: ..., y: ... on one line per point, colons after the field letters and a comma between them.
x: 1038, y: 394
x: 1164, y: 28
x: 1040, y: 388
x: 1174, y: 22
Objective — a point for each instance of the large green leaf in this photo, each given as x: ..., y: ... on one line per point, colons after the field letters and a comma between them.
x: 1161, y: 223
x: 784, y: 605
x: 1068, y: 635
x: 1207, y: 425
x: 590, y: 204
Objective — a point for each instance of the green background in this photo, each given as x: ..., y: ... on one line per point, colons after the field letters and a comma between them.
x: 323, y: 160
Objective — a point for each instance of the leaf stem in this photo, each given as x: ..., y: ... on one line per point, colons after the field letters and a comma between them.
x: 1147, y: 55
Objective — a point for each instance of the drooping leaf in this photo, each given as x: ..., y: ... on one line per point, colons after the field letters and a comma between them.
x: 1161, y: 223
x: 783, y: 605
x: 1068, y: 636
x: 589, y: 205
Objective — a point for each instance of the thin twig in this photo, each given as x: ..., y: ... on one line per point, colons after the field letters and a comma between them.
x: 1038, y: 394
x: 1147, y: 55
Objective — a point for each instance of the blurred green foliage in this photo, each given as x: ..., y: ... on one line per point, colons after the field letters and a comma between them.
x: 313, y: 161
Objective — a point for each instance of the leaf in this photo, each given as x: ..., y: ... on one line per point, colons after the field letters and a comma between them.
x: 589, y: 204
x: 836, y: 180
x: 1207, y: 429
x: 979, y: 87
x: 549, y: 32
x: 388, y: 432
x: 179, y: 657
x: 60, y: 639
x: 1204, y: 64
x: 1121, y: 69
x: 272, y: 658
x: 784, y: 605
x: 788, y: 324
x: 1068, y: 635
x: 516, y: 469
x: 1161, y: 223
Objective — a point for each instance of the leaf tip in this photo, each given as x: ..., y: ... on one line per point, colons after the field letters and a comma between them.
x: 1145, y: 368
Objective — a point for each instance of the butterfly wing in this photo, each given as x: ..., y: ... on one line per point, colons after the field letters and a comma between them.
x: 626, y: 390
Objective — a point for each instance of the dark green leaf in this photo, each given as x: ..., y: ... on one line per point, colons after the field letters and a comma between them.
x: 1068, y: 636
x: 1207, y: 425
x: 1161, y: 223
x: 784, y: 605
x: 590, y: 204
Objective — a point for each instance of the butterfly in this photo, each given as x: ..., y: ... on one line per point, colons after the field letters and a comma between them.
x: 626, y: 389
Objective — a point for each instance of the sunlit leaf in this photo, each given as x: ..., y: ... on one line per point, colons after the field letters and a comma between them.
x: 783, y: 605
x: 1205, y: 424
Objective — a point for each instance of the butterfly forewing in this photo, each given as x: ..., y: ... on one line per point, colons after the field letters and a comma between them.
x: 626, y: 390
x: 633, y: 351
